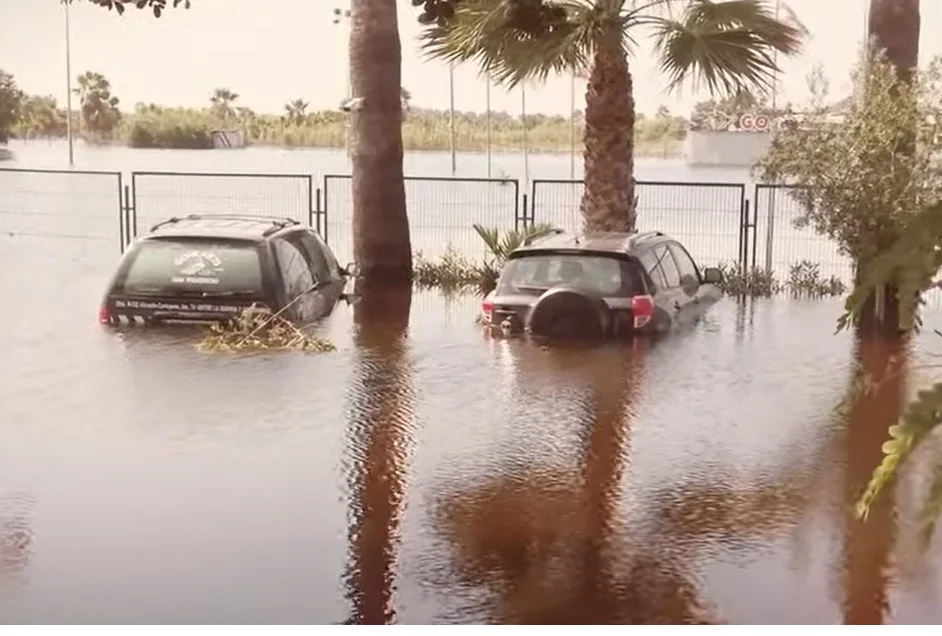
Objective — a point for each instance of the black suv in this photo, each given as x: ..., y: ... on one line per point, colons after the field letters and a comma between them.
x: 210, y: 268
x: 600, y: 285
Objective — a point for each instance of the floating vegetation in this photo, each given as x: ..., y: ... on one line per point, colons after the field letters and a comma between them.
x: 257, y: 329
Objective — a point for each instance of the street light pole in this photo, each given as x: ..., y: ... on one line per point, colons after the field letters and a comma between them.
x: 572, y: 127
x: 68, y: 86
x: 451, y: 116
x: 487, y: 119
x: 343, y: 15
x: 526, y: 145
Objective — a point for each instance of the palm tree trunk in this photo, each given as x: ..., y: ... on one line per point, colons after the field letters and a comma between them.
x: 608, y: 201
x: 381, y: 244
x: 893, y: 27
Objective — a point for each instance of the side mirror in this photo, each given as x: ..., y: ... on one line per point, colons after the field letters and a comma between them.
x: 713, y: 276
x: 350, y: 270
x: 689, y: 284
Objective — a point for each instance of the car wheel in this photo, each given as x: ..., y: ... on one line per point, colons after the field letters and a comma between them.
x: 569, y: 313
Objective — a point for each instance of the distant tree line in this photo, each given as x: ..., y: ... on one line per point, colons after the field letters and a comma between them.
x: 99, y: 119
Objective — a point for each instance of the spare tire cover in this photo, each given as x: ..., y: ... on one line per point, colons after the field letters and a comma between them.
x: 564, y: 312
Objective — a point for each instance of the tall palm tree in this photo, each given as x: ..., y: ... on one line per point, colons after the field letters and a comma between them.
x: 728, y: 46
x: 98, y: 106
x: 222, y: 100
x: 382, y: 246
x: 296, y: 110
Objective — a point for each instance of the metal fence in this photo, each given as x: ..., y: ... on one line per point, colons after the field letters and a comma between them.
x: 779, y: 243
x: 717, y: 221
x: 442, y: 211
x: 709, y: 218
x: 62, y: 203
x: 155, y: 196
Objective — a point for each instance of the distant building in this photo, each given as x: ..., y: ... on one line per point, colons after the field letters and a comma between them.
x: 228, y: 139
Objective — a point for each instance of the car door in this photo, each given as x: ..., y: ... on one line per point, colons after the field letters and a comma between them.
x: 662, y: 292
x: 297, y: 280
x: 706, y: 294
x: 324, y: 269
x: 690, y: 284
x: 680, y: 301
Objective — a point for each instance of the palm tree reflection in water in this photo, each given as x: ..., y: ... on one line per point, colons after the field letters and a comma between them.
x: 380, y: 438
x: 868, y: 545
x: 549, y: 543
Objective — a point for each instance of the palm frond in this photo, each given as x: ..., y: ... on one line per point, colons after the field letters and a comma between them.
x: 500, y: 245
x: 728, y: 45
x: 511, y: 48
x: 922, y: 416
x: 932, y: 508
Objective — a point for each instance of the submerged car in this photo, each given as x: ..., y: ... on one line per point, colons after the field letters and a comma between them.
x: 600, y: 285
x: 211, y: 268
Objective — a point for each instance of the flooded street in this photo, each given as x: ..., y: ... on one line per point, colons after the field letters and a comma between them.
x: 443, y: 476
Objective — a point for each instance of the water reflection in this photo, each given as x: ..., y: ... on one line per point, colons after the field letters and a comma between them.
x: 16, y: 539
x: 380, y: 439
x: 551, y: 543
x: 868, y: 545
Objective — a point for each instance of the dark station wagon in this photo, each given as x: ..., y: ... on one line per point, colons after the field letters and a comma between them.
x: 600, y: 285
x: 211, y: 268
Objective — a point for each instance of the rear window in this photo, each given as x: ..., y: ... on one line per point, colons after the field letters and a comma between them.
x: 186, y: 267
x: 604, y: 275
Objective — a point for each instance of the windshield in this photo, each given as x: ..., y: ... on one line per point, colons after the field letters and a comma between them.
x: 604, y: 275
x: 194, y: 268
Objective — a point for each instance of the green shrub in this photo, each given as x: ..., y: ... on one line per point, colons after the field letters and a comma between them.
x: 804, y: 281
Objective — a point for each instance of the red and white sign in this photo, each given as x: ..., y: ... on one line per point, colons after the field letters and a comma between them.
x: 753, y: 122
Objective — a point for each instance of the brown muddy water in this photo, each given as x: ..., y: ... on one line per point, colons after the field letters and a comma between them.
x: 442, y: 476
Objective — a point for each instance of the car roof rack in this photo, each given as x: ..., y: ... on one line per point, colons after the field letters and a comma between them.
x: 277, y: 223
x: 647, y: 235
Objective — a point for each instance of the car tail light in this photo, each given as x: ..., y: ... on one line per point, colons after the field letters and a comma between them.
x: 487, y: 310
x: 642, y: 308
x: 104, y: 316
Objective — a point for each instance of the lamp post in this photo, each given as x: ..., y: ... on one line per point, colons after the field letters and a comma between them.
x: 343, y: 15
x: 451, y: 116
x: 572, y: 127
x: 68, y: 86
x: 526, y: 146
x: 487, y: 123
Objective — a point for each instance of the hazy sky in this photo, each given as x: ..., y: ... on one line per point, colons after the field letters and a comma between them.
x: 272, y: 51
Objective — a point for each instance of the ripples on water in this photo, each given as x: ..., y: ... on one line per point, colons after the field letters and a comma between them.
x: 440, y: 477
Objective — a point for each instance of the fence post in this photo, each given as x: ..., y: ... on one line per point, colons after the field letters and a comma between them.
x: 324, y: 210
x: 310, y: 201
x: 521, y: 215
x: 746, y: 227
x: 130, y: 222
x: 321, y: 229
x: 770, y: 234
x: 122, y: 229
